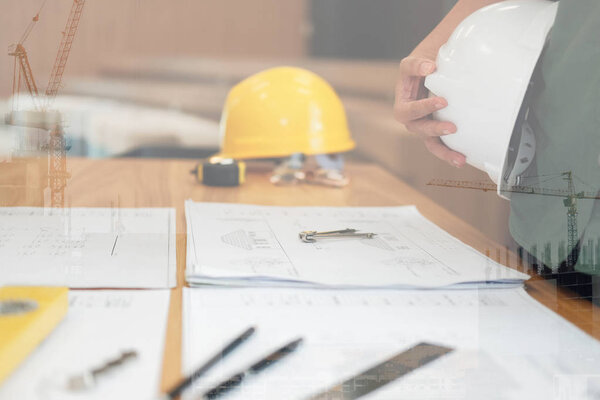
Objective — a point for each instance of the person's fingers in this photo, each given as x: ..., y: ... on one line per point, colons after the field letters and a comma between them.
x: 412, y: 70
x: 405, y: 111
x: 422, y: 91
x: 407, y: 89
x: 412, y: 112
x: 415, y: 66
x: 430, y: 127
x: 441, y: 151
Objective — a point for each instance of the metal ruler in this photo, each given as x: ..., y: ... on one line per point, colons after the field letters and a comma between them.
x: 384, y: 373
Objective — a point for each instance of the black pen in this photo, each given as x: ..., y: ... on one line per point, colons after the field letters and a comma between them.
x: 185, y: 383
x: 236, y: 379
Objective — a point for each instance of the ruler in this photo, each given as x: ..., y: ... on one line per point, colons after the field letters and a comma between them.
x: 27, y: 316
x: 384, y: 373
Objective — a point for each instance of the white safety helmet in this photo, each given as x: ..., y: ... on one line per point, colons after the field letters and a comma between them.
x: 484, y: 72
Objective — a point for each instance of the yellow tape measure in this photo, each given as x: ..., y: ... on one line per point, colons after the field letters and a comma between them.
x: 226, y: 172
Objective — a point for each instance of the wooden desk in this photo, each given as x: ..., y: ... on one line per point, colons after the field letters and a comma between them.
x: 166, y: 183
x: 199, y: 86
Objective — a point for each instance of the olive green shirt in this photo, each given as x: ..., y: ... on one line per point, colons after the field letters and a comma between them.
x: 566, y: 107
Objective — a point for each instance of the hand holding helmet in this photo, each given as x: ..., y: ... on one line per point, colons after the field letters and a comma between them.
x: 485, y: 71
x: 413, y: 108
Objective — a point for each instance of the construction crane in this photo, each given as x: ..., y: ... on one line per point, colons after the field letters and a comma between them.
x: 56, y: 146
x: 54, y: 83
x: 22, y: 68
x: 41, y: 118
x: 570, y: 197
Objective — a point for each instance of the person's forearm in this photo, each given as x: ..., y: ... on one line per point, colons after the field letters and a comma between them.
x: 431, y: 44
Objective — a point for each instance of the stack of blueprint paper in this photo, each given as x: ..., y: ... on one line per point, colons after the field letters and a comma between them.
x: 88, y: 247
x: 505, y: 344
x: 246, y: 245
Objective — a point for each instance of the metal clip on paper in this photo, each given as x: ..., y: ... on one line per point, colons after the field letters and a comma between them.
x: 312, y: 236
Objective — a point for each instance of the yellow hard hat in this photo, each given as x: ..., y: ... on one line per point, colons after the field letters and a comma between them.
x: 282, y: 111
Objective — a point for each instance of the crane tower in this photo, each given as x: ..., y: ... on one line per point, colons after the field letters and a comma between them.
x: 40, y: 116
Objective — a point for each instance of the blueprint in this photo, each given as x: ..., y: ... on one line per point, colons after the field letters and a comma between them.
x: 244, y: 245
x: 505, y: 344
x: 88, y: 247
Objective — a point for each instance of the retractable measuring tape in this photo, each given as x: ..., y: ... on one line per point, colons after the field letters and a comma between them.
x: 220, y: 172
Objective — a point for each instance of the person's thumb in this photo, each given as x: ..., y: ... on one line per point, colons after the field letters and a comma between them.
x: 416, y: 66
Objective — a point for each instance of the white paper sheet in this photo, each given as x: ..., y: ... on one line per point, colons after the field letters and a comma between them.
x: 99, y: 325
x: 245, y: 245
x: 88, y: 247
x: 506, y: 345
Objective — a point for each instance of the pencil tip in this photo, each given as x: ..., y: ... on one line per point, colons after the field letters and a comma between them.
x: 296, y: 343
x: 249, y: 332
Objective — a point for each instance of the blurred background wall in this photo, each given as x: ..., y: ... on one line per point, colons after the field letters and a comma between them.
x: 112, y: 29
x: 379, y: 29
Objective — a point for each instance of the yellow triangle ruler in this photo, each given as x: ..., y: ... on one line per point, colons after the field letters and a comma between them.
x: 27, y: 316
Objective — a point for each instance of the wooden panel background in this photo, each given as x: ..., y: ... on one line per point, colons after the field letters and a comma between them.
x: 116, y: 29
